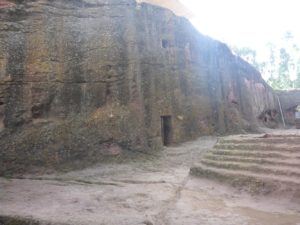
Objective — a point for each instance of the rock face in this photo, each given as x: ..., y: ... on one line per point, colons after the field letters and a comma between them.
x: 80, y: 76
x: 174, y: 5
x: 289, y: 100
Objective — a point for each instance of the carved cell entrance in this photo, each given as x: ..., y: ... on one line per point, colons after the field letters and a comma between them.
x: 166, y: 130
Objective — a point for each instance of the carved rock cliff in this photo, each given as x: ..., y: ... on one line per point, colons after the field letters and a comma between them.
x: 81, y: 79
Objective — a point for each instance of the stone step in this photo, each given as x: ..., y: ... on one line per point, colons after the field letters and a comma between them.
x: 264, y: 164
x: 262, y: 147
x: 249, y: 181
x: 261, y: 169
x: 279, y: 162
x: 282, y: 140
x: 254, y: 154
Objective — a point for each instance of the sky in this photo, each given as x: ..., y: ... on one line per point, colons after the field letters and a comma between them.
x: 251, y: 23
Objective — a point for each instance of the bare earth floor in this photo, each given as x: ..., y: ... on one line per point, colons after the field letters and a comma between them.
x: 158, y: 192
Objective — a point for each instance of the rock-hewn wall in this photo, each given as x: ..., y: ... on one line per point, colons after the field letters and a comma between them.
x: 290, y: 100
x: 85, y: 78
x: 174, y: 5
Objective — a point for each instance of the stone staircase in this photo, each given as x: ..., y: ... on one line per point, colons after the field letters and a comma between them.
x: 260, y: 164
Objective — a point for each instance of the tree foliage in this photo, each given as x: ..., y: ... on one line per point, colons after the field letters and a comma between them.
x: 282, y: 68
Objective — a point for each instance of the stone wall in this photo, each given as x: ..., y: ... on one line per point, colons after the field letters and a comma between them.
x: 174, y: 5
x: 80, y: 77
x: 290, y: 100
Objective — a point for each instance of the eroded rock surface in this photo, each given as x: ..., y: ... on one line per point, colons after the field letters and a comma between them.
x: 78, y: 76
x: 174, y: 5
x: 290, y: 100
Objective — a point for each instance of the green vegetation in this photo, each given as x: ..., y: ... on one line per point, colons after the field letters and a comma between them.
x: 281, y: 68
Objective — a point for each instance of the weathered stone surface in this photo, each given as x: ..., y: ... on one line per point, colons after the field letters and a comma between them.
x: 174, y: 5
x: 79, y: 75
x: 289, y: 100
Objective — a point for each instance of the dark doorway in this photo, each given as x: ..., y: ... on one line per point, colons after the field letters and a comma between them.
x: 166, y: 130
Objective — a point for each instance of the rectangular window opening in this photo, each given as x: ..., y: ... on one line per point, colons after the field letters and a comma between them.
x: 165, y: 43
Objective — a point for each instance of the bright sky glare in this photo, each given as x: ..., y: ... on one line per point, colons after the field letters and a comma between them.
x: 251, y: 23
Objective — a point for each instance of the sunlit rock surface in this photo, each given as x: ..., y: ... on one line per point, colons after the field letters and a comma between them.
x: 82, y: 78
x: 174, y: 5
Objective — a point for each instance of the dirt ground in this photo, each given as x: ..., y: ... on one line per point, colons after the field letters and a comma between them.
x: 158, y: 192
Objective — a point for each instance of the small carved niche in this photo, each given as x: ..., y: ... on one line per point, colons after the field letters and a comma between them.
x: 165, y: 43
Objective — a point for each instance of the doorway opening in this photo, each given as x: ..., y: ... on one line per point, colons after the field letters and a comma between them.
x: 166, y: 130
